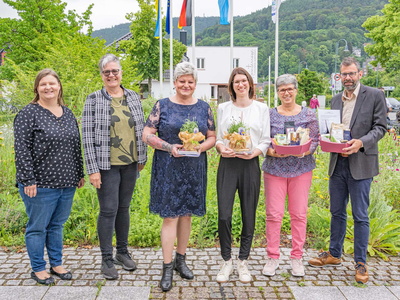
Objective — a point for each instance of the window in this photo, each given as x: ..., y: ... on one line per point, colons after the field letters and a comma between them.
x: 212, y: 92
x: 235, y: 62
x: 200, y: 63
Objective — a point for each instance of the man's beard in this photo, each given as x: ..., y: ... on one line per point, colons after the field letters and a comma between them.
x: 350, y: 87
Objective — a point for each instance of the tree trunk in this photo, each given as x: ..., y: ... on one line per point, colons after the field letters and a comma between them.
x: 149, y: 83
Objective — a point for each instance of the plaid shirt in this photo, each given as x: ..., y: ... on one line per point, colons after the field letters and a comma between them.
x: 96, y: 122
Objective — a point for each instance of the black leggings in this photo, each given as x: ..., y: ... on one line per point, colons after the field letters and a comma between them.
x: 245, y: 177
x: 115, y: 195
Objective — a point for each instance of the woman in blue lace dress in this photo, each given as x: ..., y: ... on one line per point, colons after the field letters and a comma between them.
x: 178, y: 182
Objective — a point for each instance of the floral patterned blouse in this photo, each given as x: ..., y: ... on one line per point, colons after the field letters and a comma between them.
x: 292, y: 166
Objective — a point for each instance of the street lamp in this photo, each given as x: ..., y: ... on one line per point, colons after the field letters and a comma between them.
x: 346, y: 49
x: 302, y: 62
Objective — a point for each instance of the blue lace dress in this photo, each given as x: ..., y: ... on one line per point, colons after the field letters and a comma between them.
x: 178, y: 184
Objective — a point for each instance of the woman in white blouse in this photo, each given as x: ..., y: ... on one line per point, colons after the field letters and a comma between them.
x: 239, y: 170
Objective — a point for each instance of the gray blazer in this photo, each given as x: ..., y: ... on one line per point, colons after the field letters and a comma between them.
x: 368, y: 123
x: 96, y: 122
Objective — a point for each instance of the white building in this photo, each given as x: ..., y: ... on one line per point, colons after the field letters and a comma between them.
x: 213, y: 71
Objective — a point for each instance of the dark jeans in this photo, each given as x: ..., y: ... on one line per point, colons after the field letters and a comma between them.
x: 341, y: 185
x: 245, y: 177
x: 47, y: 213
x: 115, y: 195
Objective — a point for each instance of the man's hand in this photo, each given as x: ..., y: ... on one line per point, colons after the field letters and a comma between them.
x: 355, y: 146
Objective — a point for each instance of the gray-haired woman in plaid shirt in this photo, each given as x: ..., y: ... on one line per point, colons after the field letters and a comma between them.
x: 114, y: 153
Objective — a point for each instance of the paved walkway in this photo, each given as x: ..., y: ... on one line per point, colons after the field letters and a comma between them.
x: 334, y: 283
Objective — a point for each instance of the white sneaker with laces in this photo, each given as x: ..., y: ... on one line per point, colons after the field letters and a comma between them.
x: 297, y: 267
x: 270, y: 267
x: 244, y: 274
x: 225, y: 271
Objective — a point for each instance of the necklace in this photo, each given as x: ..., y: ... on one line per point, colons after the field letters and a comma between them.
x: 115, y: 102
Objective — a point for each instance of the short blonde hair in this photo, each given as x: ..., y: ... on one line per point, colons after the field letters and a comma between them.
x: 185, y: 68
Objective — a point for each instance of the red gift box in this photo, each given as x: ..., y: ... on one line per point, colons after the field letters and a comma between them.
x: 328, y: 146
x: 295, y: 150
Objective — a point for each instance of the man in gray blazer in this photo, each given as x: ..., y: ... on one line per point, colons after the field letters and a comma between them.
x: 363, y: 110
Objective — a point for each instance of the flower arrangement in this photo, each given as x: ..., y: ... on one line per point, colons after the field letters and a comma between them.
x: 190, y: 135
x: 237, y: 137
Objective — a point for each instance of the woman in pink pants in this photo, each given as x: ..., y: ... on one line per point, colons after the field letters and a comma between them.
x: 288, y: 175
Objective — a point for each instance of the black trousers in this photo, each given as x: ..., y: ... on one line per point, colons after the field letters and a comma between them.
x: 245, y: 177
x: 115, y: 195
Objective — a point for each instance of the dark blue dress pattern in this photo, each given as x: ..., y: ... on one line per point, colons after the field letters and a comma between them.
x: 178, y: 184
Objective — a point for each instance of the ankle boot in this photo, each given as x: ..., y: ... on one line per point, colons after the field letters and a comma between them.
x: 166, y: 279
x: 181, y: 267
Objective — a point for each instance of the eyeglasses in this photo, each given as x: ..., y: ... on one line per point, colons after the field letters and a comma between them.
x: 237, y: 82
x: 108, y: 72
x: 351, y: 74
x: 289, y: 90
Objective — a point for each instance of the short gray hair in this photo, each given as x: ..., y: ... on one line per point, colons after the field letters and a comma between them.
x: 286, y: 79
x: 107, y: 59
x: 348, y: 61
x: 185, y: 68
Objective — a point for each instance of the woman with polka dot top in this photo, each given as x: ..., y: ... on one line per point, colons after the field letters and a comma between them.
x: 49, y: 168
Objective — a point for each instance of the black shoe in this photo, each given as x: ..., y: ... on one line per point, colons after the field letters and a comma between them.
x: 181, y: 267
x: 108, y: 269
x: 63, y: 276
x: 166, y: 279
x: 47, y: 281
x: 125, y: 260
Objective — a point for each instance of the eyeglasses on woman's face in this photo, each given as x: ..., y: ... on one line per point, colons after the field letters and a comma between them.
x: 283, y: 91
x: 107, y: 73
x: 238, y: 82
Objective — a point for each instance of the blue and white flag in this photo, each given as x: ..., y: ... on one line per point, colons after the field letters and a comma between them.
x: 224, y: 12
x: 274, y: 9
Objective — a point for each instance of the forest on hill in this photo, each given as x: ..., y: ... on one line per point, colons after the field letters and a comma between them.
x: 310, y: 33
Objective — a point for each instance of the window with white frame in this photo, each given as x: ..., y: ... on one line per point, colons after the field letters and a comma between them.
x: 200, y: 63
x: 213, y: 92
x: 236, y: 62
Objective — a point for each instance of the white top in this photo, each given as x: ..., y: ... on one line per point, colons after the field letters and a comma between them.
x: 255, y: 117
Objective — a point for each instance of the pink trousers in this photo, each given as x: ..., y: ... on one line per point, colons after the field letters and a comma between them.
x: 276, y: 189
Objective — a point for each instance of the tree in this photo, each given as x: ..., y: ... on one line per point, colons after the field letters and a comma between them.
x: 46, y: 37
x: 41, y: 25
x: 385, y: 31
x: 310, y: 82
x: 143, y: 49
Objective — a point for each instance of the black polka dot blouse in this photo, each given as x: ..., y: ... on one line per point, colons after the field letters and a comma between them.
x: 47, y: 148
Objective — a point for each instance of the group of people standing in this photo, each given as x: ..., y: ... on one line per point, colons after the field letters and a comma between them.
x: 115, y: 137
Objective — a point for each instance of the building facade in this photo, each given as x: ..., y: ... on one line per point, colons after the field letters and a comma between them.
x: 214, y: 68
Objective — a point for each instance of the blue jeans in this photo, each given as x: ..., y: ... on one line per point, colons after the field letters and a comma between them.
x: 341, y: 185
x: 47, y: 213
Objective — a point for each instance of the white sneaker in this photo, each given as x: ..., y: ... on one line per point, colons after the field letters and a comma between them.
x: 244, y: 274
x: 297, y: 267
x: 225, y: 271
x: 270, y: 267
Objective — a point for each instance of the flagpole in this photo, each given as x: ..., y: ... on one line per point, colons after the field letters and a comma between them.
x: 171, y: 51
x: 161, y: 47
x: 231, y: 19
x: 269, y: 81
x: 278, y: 4
x: 193, y: 35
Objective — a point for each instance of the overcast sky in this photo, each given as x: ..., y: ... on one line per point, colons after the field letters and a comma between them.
x: 106, y: 13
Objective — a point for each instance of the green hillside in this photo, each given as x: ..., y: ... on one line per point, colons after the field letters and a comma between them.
x: 115, y: 32
x: 309, y: 33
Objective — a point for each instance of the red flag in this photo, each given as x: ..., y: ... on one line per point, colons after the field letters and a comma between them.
x: 185, y: 19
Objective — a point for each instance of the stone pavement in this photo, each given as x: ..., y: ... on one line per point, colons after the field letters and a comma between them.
x: 331, y: 283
